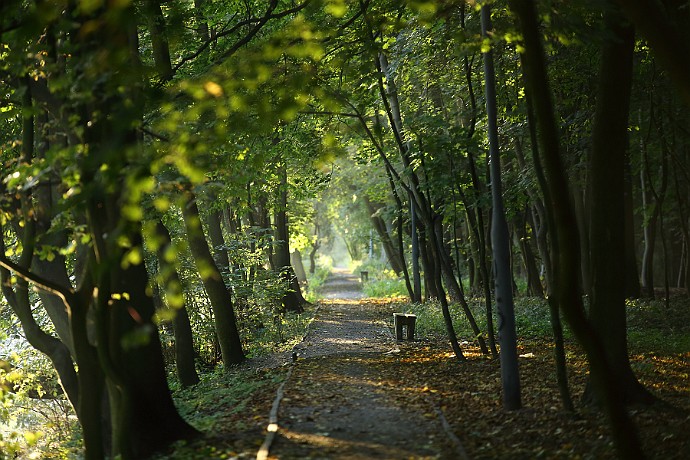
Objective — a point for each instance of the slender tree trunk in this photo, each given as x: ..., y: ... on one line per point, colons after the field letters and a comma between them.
x: 632, y: 279
x: 583, y: 231
x: 500, y: 240
x: 547, y: 222
x: 452, y: 337
x: 416, y: 279
x: 214, y: 218
x: 174, y: 292
x: 534, y: 287
x: 53, y: 348
x: 292, y: 299
x: 382, y: 231
x: 428, y: 269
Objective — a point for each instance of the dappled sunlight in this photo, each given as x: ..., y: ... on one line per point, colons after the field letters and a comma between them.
x: 341, y: 301
x: 338, y: 443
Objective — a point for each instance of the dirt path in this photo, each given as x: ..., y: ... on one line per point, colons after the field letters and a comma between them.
x: 338, y: 402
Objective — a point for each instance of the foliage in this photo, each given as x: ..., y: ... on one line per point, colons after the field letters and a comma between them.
x: 225, y: 405
x: 315, y: 280
x: 382, y: 282
x: 36, y: 419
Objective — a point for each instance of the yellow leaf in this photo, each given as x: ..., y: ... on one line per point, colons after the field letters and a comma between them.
x: 213, y: 88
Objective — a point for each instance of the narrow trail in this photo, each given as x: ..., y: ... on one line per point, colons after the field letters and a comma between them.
x: 338, y: 402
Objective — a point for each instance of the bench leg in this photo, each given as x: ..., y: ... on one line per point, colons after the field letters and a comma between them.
x: 398, y: 329
x: 410, y: 330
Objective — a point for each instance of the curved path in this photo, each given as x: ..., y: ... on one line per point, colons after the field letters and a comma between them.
x: 339, y: 402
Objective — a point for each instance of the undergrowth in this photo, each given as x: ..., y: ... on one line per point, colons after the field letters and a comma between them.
x: 651, y: 325
x: 382, y: 281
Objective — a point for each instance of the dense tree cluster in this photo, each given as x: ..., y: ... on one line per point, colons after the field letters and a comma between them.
x: 160, y: 158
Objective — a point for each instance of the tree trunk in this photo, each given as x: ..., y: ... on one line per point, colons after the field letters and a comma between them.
x: 296, y: 263
x: 292, y: 300
x: 546, y: 219
x: 583, y: 231
x: 500, y: 240
x: 174, y: 292
x: 565, y: 235
x: 475, y: 224
x: 215, y: 235
x: 416, y: 279
x: 159, y: 40
x: 607, y: 219
x: 534, y: 287
x: 312, y: 257
x: 221, y: 301
x: 382, y: 231
x: 632, y: 278
x: 428, y: 269
x: 649, y: 231
x: 54, y: 349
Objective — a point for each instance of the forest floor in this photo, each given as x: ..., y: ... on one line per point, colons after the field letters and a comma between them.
x: 355, y: 393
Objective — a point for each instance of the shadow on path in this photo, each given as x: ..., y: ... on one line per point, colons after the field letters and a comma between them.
x: 339, y: 402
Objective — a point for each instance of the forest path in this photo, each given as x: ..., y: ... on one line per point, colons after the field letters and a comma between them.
x: 339, y: 402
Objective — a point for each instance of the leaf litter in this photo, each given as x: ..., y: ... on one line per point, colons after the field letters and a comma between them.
x: 355, y: 393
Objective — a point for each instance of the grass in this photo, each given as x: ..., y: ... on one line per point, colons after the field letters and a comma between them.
x: 651, y: 326
x: 229, y: 408
x: 315, y: 281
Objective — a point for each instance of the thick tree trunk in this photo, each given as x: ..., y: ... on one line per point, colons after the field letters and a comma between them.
x: 607, y: 224
x: 159, y: 40
x: 565, y: 235
x: 144, y: 418
x: 221, y: 301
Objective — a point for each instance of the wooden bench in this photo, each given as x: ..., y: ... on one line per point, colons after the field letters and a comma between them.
x: 408, y: 321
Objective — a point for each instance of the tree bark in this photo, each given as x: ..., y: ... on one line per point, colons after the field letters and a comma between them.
x: 380, y: 226
x: 500, y: 240
x: 221, y: 301
x: 560, y: 207
x: 632, y: 278
x: 215, y: 236
x: 182, y: 329
x: 296, y: 263
x: 292, y: 300
x: 607, y: 219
